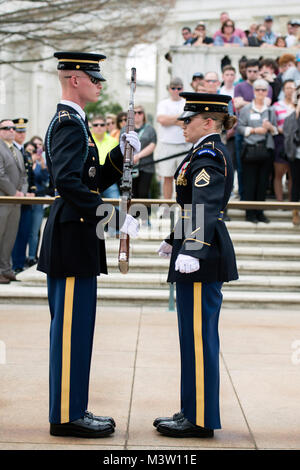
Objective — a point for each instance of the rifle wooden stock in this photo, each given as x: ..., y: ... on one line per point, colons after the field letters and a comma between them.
x: 126, y: 186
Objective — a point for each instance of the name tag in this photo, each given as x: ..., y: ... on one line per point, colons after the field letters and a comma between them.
x: 254, y: 116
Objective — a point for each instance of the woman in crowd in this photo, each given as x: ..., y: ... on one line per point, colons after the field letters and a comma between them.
x: 257, y: 123
x: 147, y: 136
x: 41, y: 178
x: 227, y: 36
x: 257, y: 39
x: 121, y: 122
x: 291, y: 132
x: 282, y: 109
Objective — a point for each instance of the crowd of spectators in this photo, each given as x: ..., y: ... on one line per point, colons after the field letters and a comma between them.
x: 265, y: 150
x: 257, y: 35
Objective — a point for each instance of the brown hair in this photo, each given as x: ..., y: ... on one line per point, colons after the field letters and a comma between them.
x: 225, y: 23
x: 223, y: 120
x: 286, y: 58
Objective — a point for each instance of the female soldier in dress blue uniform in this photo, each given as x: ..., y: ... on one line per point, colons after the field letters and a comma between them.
x: 202, y: 258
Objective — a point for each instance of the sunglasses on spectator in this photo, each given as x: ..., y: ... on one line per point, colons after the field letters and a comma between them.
x: 138, y: 112
x: 98, y: 124
x: 176, y: 88
x: 228, y: 24
x: 123, y: 120
x: 261, y: 89
x: 8, y: 128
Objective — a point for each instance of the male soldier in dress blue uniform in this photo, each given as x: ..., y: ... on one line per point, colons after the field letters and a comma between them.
x: 202, y: 258
x: 72, y: 254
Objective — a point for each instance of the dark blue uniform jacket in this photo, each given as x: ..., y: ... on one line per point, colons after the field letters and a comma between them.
x: 70, y: 245
x: 204, y: 183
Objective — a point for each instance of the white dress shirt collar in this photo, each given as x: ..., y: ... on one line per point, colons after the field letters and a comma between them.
x: 203, y: 138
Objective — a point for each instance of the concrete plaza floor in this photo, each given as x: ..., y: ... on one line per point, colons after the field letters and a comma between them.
x: 135, y: 378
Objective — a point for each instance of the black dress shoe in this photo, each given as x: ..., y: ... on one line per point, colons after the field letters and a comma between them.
x: 175, y: 416
x: 183, y: 428
x: 262, y: 218
x: 100, y: 418
x: 83, y: 427
x: 251, y: 218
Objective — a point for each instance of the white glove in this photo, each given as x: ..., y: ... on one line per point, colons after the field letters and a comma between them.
x: 165, y: 250
x: 187, y: 264
x: 133, y: 139
x: 130, y: 226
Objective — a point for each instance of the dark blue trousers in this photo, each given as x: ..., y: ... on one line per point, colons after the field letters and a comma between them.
x: 19, y: 250
x: 72, y: 303
x: 198, y: 309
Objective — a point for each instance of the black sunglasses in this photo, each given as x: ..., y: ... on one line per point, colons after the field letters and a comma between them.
x: 7, y: 128
x: 94, y: 80
x: 98, y: 124
x: 138, y: 112
x: 176, y: 88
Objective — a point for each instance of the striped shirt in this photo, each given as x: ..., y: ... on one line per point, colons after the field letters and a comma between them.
x: 282, y: 111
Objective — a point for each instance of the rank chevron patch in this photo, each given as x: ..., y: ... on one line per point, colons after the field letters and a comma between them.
x: 202, y: 179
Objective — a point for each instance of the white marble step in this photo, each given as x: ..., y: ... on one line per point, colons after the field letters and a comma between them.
x: 242, y: 251
x: 16, y: 293
x: 137, y: 280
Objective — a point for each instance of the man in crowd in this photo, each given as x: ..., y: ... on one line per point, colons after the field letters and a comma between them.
x: 228, y: 76
x: 270, y: 36
x: 292, y: 28
x: 197, y: 79
x: 187, y: 36
x: 19, y: 250
x: 13, y: 182
x: 105, y: 143
x: 170, y: 135
x: 211, y: 82
x: 268, y: 70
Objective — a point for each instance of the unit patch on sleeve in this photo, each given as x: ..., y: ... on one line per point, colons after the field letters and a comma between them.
x: 211, y: 152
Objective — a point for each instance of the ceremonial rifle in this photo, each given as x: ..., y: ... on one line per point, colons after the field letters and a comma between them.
x: 126, y: 185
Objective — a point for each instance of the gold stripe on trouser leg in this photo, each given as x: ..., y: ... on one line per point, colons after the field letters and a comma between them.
x: 198, y: 344
x: 66, y: 350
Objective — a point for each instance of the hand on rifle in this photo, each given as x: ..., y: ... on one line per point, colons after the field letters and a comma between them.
x: 130, y: 226
x: 165, y: 250
x: 133, y: 139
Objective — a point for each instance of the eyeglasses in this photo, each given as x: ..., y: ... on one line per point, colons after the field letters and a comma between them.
x: 94, y: 80
x: 210, y: 81
x: 261, y: 89
x: 8, y: 128
x: 262, y: 30
x: 138, y: 112
x: 176, y: 88
x: 98, y: 124
x: 122, y: 120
